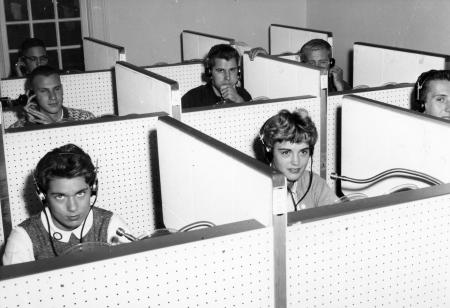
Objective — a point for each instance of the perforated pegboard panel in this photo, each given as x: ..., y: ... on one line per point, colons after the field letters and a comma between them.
x: 188, y: 76
x: 239, y: 126
x: 395, y: 256
x: 400, y: 97
x: 125, y: 151
x: 93, y: 92
x: 228, y: 271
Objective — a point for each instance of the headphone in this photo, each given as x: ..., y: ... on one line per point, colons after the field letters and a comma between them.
x: 209, y: 64
x: 42, y: 196
x: 94, y: 187
x: 423, y: 78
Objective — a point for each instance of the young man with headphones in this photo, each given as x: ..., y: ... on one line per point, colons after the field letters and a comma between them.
x: 433, y: 93
x: 45, y: 104
x: 288, y: 140
x: 222, y: 72
x: 66, y: 183
x: 318, y: 53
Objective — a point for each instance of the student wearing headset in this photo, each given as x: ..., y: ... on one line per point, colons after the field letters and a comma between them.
x: 222, y: 72
x: 318, y: 52
x: 66, y: 183
x: 45, y: 105
x: 288, y: 140
x: 432, y: 91
x: 31, y: 55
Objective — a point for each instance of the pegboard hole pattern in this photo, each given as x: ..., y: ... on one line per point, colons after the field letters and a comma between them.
x: 188, y: 76
x: 229, y: 271
x: 124, y: 150
x: 239, y: 126
x: 396, y: 256
x: 400, y: 97
x: 90, y: 91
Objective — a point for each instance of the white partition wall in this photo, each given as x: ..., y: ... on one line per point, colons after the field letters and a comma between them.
x: 101, y: 55
x: 91, y: 91
x: 273, y: 77
x: 226, y: 266
x: 204, y: 179
x: 399, y: 95
x: 124, y: 149
x: 238, y: 125
x: 141, y: 91
x: 376, y: 65
x: 389, y: 251
x: 376, y: 137
x: 196, y: 45
x: 290, y: 39
x: 187, y: 75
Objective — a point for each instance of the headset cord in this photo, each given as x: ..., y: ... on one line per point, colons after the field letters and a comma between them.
x: 50, y: 235
x: 84, y: 222
x: 307, y: 190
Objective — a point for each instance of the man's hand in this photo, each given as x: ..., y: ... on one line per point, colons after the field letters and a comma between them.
x: 338, y: 77
x: 229, y: 92
x: 20, y: 67
x: 256, y: 51
x: 33, y: 115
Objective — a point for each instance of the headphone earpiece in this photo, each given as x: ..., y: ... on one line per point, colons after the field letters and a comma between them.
x: 94, y: 187
x: 39, y: 193
x: 332, y: 62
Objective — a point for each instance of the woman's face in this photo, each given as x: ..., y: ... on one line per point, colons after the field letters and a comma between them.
x: 291, y: 159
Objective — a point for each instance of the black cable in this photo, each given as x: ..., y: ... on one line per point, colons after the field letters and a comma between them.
x: 49, y: 234
x: 84, y: 222
x: 307, y: 190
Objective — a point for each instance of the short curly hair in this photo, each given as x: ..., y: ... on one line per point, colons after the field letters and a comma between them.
x: 288, y: 126
x: 68, y: 161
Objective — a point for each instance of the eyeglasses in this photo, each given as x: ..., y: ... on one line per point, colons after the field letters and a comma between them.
x: 41, y: 59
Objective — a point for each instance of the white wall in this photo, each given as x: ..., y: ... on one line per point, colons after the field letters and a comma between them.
x: 150, y: 30
x: 414, y: 24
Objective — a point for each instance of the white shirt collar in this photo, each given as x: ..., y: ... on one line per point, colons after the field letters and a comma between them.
x: 62, y: 235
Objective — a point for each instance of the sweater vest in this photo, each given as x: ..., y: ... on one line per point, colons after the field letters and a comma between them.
x: 42, y: 245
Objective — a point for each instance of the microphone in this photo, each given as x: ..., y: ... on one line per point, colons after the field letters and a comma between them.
x: 121, y: 232
x: 9, y: 103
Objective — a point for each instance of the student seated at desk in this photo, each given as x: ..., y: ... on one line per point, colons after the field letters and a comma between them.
x: 317, y: 52
x: 66, y: 183
x: 31, y: 55
x: 433, y: 94
x: 222, y: 70
x: 45, y: 105
x: 288, y: 140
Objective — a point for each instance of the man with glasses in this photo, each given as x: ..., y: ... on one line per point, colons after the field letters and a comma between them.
x: 32, y: 54
x: 222, y: 72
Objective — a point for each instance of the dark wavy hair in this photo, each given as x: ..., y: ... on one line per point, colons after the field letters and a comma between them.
x: 221, y: 51
x: 288, y: 126
x: 30, y: 43
x: 68, y: 161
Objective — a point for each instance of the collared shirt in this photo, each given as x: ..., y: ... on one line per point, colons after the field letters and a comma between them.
x: 69, y: 114
x: 319, y: 194
x: 19, y: 247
